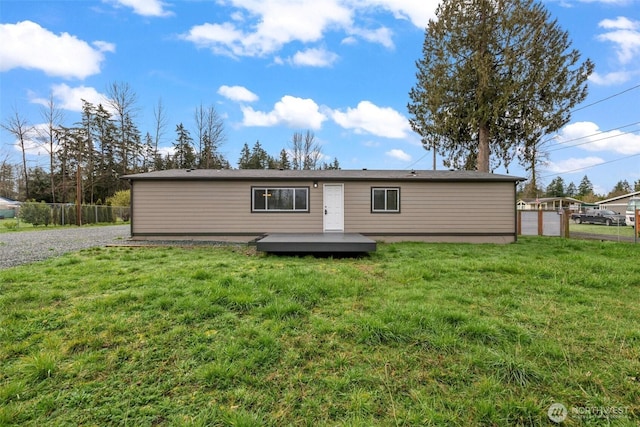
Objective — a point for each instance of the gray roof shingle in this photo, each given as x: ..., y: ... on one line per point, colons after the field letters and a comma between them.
x: 324, y: 175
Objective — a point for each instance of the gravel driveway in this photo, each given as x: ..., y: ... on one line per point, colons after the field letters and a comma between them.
x: 23, y: 247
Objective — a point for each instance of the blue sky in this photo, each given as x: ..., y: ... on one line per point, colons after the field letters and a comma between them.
x: 340, y: 68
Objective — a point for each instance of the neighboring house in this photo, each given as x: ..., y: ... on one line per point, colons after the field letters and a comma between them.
x: 619, y: 203
x: 242, y: 205
x: 550, y: 204
x: 8, y: 208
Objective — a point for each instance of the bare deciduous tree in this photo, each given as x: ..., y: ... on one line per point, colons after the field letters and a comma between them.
x: 53, y: 117
x: 20, y: 128
x: 305, y: 151
x: 122, y: 100
x: 210, y: 134
x: 161, y: 122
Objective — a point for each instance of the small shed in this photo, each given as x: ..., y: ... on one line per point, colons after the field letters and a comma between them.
x: 385, y: 205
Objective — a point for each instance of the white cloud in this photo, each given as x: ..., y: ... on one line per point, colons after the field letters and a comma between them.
x: 220, y: 38
x: 589, y: 137
x: 573, y: 165
x: 612, y: 78
x: 625, y: 36
x: 398, y: 155
x: 70, y: 98
x: 418, y: 12
x: 275, y: 23
x: 289, y: 111
x: 237, y: 93
x: 369, y: 118
x: 261, y: 28
x: 154, y: 8
x: 28, y: 45
x: 620, y: 23
x: 314, y: 58
x: 383, y: 36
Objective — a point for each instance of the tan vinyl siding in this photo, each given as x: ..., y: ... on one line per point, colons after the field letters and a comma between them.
x: 461, y: 207
x: 216, y: 207
x: 210, y: 207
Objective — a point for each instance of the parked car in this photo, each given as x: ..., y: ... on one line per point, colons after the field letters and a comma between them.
x: 599, y: 216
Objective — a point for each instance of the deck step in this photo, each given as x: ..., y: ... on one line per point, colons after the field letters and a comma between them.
x: 316, y: 243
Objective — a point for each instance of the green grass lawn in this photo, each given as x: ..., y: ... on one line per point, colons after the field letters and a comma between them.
x: 415, y: 334
x: 622, y: 231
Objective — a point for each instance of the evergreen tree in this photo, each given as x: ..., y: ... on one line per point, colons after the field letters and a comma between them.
x: 620, y: 189
x: 571, y: 190
x: 530, y: 190
x: 245, y: 157
x: 122, y: 100
x: 40, y: 184
x: 636, y: 185
x: 283, y: 162
x: 556, y: 188
x: 495, y: 76
x: 106, y: 148
x: 335, y: 165
x: 7, y: 179
x: 259, y: 158
x: 184, y: 154
x: 585, y: 188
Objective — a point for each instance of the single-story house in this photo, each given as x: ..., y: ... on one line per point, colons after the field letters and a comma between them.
x: 619, y: 203
x: 550, y: 204
x: 386, y: 205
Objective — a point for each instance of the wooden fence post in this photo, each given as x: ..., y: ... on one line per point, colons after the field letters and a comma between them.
x: 540, y: 224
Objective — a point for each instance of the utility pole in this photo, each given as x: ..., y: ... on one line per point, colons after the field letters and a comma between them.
x: 434, y: 154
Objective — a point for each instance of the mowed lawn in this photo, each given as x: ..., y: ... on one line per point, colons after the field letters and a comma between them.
x: 415, y: 334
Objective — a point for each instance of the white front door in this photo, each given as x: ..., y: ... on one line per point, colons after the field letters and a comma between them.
x: 333, y: 207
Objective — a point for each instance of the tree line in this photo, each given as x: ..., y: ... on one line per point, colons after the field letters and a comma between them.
x: 88, y: 157
x: 583, y: 191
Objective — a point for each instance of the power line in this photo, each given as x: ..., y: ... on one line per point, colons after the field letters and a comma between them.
x: 582, y: 137
x: 606, y: 99
x: 594, y: 140
x: 589, y: 136
x: 591, y: 166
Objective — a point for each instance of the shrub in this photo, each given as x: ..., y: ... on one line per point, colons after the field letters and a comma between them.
x: 10, y: 225
x: 120, y: 198
x: 36, y: 213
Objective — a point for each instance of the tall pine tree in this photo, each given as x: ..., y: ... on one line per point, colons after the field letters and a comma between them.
x: 495, y: 76
x: 184, y: 154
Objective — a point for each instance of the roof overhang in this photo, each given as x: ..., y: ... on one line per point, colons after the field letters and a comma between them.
x: 320, y: 175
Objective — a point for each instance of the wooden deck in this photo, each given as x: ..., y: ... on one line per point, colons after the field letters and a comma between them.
x: 316, y: 243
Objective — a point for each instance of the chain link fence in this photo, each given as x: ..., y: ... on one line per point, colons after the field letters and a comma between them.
x: 67, y: 213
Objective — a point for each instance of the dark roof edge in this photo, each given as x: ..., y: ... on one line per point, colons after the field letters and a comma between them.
x: 323, y: 175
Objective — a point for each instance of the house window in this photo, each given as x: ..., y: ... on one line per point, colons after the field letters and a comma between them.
x: 277, y: 199
x: 385, y: 200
